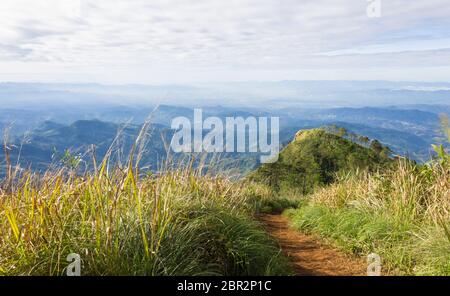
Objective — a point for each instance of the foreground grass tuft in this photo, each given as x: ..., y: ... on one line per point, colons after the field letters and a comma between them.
x: 175, y: 223
x: 402, y: 214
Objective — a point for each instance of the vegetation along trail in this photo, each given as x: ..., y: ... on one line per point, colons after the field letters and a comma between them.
x: 307, y: 256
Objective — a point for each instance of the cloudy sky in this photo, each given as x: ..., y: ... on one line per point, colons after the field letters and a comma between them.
x: 183, y: 41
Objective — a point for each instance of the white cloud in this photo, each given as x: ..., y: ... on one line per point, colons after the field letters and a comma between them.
x: 214, y: 39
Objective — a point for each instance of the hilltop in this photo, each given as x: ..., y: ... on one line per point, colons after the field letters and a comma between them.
x: 314, y: 158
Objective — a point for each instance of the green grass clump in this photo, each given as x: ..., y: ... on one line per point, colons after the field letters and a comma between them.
x: 401, y: 214
x: 278, y: 204
x: 178, y: 222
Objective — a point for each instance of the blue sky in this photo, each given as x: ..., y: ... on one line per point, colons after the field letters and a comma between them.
x: 172, y: 41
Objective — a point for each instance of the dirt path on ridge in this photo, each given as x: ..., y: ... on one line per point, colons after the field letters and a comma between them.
x: 307, y: 256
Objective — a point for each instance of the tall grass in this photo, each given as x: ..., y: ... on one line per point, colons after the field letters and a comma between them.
x: 121, y: 221
x: 176, y: 223
x: 402, y: 214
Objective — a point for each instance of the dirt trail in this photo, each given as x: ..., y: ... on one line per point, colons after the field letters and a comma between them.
x: 307, y: 256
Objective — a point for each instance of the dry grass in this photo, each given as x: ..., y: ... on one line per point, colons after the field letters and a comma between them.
x: 121, y: 221
x: 402, y: 214
x: 178, y: 222
x: 409, y: 192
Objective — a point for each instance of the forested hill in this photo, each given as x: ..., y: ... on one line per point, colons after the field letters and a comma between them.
x: 315, y: 156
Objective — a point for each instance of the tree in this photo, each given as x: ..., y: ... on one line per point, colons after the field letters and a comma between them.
x: 386, y: 152
x: 342, y: 132
x: 364, y: 140
x: 353, y: 137
x: 376, y: 146
x: 334, y: 129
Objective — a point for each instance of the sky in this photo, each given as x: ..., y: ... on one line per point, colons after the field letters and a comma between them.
x: 189, y: 41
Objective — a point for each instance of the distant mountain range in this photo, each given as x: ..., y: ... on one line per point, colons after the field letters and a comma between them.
x: 51, y: 145
x: 46, y: 119
x: 270, y: 95
x: 49, y: 142
x: 406, y: 131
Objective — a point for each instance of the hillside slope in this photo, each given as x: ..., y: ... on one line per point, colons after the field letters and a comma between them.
x: 47, y: 144
x: 52, y: 144
x: 313, y: 158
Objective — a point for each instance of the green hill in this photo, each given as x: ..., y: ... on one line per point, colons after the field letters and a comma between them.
x: 395, y: 208
x: 313, y: 158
